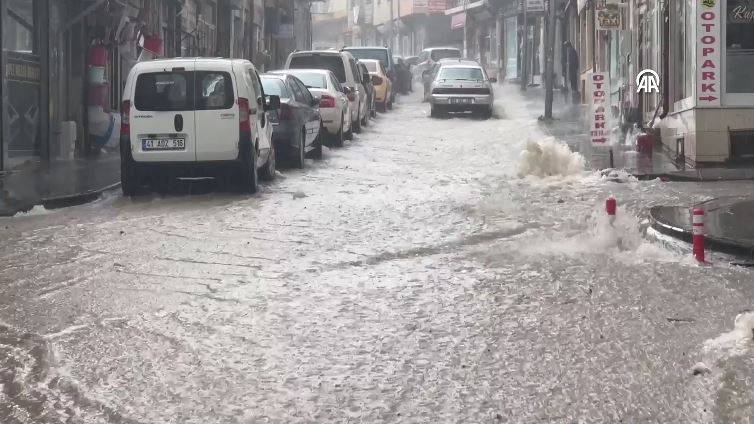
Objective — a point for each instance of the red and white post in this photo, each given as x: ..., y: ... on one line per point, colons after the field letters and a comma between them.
x: 611, y: 207
x: 697, y: 231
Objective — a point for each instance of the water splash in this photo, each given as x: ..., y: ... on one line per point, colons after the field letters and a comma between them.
x: 548, y: 158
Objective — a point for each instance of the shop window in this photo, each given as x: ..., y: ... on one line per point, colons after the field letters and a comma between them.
x: 18, y: 29
x: 742, y: 146
x: 683, y: 45
x: 739, y: 39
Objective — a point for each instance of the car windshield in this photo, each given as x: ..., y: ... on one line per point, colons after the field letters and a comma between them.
x: 311, y: 79
x: 329, y: 62
x: 376, y: 54
x: 371, y: 66
x: 445, y: 54
x: 275, y: 87
x: 461, y: 74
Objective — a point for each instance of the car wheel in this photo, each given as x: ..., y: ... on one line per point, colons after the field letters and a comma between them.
x: 129, y: 175
x: 298, y: 160
x: 249, y: 177
x: 433, y: 112
x: 317, y: 151
x: 268, y: 173
x: 381, y: 107
x: 390, y: 105
x: 338, y: 138
x: 365, y: 119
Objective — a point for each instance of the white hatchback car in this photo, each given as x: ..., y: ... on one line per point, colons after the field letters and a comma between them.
x: 334, y: 107
x: 195, y: 117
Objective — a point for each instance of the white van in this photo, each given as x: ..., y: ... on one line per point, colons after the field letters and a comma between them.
x: 195, y: 117
x: 343, y: 65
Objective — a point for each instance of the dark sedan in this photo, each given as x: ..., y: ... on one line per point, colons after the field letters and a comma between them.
x: 297, y: 124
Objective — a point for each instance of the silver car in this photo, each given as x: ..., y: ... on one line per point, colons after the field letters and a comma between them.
x: 460, y: 86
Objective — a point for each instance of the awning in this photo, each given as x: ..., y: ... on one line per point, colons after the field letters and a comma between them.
x: 458, y: 20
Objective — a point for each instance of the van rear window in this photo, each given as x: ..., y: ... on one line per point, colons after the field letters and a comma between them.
x: 181, y: 91
x: 313, y: 61
x: 164, y: 91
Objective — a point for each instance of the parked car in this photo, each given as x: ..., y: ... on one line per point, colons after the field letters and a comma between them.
x: 461, y: 86
x: 198, y: 116
x: 383, y: 54
x: 366, y: 79
x: 297, y: 125
x: 334, y: 107
x: 403, y: 75
x: 380, y: 81
x: 343, y: 65
x: 430, y: 56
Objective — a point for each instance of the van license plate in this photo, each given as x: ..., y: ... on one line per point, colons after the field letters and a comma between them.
x: 461, y: 100
x: 163, y: 144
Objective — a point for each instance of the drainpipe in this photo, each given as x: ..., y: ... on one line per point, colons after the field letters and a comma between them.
x: 666, y: 60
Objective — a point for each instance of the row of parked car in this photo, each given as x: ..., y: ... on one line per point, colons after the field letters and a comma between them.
x: 197, y: 117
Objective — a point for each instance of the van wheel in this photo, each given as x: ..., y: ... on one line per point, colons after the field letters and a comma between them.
x: 249, y: 177
x: 298, y: 160
x: 365, y: 119
x: 129, y: 175
x: 357, y: 124
x: 268, y: 173
x: 349, y: 134
x: 337, y: 140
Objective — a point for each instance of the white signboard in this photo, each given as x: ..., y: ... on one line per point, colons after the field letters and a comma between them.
x: 599, y: 100
x: 535, y: 5
x: 708, y: 71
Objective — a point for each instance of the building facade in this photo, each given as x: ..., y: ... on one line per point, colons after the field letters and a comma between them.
x: 64, y: 62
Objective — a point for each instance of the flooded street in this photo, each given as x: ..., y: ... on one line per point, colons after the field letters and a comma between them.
x: 427, y: 272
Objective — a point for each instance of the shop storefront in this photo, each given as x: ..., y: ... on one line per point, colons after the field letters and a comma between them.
x: 711, y: 117
x: 22, y: 63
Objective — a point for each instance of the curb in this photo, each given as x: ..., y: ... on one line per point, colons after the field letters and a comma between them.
x: 57, y: 202
x: 687, y: 178
x: 716, y: 244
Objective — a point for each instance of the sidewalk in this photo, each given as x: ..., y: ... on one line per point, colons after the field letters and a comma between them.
x: 569, y: 126
x: 727, y: 223
x: 58, y: 184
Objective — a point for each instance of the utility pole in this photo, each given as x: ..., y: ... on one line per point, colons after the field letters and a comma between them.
x: 525, y: 53
x: 550, y: 59
x: 392, y: 27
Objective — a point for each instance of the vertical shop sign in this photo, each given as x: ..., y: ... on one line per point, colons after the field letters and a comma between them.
x: 599, y: 99
x: 708, y: 53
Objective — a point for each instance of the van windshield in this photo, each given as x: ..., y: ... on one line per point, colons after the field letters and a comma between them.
x: 181, y: 91
x: 329, y: 62
x: 376, y: 54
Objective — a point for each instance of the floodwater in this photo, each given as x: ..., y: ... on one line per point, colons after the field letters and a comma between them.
x: 431, y: 271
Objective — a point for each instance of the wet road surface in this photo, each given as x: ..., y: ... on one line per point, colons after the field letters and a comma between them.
x: 424, y: 273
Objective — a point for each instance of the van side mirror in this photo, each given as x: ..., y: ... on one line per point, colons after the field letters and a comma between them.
x: 273, y: 102
x: 493, y: 79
